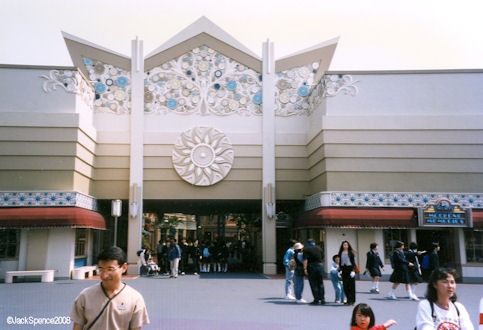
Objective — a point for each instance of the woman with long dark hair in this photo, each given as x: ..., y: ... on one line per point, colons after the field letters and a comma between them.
x: 347, y: 266
x: 440, y: 310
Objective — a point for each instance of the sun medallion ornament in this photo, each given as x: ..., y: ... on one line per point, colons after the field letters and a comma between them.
x: 203, y: 156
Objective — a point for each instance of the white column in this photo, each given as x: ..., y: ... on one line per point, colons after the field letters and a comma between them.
x: 135, y: 221
x: 22, y: 250
x: 412, y: 236
x: 268, y: 134
x: 461, y: 243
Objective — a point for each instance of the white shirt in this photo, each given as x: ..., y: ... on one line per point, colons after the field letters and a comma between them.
x: 445, y: 319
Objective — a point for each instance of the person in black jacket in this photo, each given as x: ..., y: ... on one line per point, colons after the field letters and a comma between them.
x: 348, y: 266
x: 415, y: 271
x: 434, y: 258
x: 373, y: 266
x: 400, y: 272
x: 313, y: 268
x: 196, y: 256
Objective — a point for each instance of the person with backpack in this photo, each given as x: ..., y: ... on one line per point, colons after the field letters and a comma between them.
x: 289, y: 271
x: 440, y: 310
x: 206, y: 258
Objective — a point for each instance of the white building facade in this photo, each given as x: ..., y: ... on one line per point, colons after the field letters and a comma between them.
x: 202, y: 119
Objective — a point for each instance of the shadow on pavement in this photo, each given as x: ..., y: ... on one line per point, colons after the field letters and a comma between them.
x: 242, y: 276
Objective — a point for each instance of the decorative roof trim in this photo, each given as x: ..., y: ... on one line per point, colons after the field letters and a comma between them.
x: 321, y: 53
x: 80, y: 48
x: 47, y: 198
x: 390, y: 199
x: 203, y: 39
x: 203, y: 25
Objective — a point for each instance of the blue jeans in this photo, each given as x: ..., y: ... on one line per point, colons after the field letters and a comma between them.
x: 288, y: 281
x: 337, y: 283
x: 298, y: 286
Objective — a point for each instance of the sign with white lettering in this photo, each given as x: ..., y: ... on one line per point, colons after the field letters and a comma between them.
x: 444, y: 214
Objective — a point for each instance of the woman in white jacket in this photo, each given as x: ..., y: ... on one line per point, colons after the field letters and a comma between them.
x: 440, y: 310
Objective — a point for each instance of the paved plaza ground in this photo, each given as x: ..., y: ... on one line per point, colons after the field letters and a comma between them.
x: 222, y: 301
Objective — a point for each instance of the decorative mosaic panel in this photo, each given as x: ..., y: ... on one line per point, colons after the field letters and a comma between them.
x: 332, y: 85
x: 391, y: 199
x: 112, y: 86
x: 201, y: 81
x: 47, y: 198
x: 205, y: 82
x: 298, y: 93
x: 293, y: 88
x: 71, y: 82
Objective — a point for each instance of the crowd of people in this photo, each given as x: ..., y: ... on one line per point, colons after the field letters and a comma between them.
x: 175, y: 258
x: 438, y: 311
x: 112, y: 304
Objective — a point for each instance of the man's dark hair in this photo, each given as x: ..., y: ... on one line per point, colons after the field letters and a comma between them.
x: 373, y: 245
x: 365, y: 310
x: 436, y: 275
x: 113, y: 253
x: 413, y: 246
x: 398, y: 244
x: 335, y: 256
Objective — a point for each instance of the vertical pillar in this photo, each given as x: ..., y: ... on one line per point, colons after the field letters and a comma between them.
x: 461, y: 245
x: 22, y: 250
x: 268, y: 150
x: 412, y: 236
x: 135, y: 221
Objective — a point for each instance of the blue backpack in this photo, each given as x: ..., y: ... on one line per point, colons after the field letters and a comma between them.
x: 206, y: 252
x: 425, y: 264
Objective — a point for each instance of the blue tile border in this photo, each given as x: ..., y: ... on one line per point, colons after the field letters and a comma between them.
x: 390, y: 199
x: 47, y: 198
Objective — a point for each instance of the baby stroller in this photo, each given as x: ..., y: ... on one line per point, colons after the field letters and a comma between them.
x: 147, y: 267
x: 152, y: 268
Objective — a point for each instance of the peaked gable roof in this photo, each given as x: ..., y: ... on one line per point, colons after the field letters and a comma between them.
x: 80, y: 48
x: 203, y: 32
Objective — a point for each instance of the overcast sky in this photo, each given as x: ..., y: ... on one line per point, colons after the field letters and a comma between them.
x: 374, y: 35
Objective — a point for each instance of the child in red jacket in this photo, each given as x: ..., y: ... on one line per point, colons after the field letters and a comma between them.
x: 363, y: 319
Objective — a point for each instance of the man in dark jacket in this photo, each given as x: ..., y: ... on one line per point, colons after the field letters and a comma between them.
x: 313, y: 267
x: 184, y: 256
x: 196, y: 256
x: 434, y: 258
